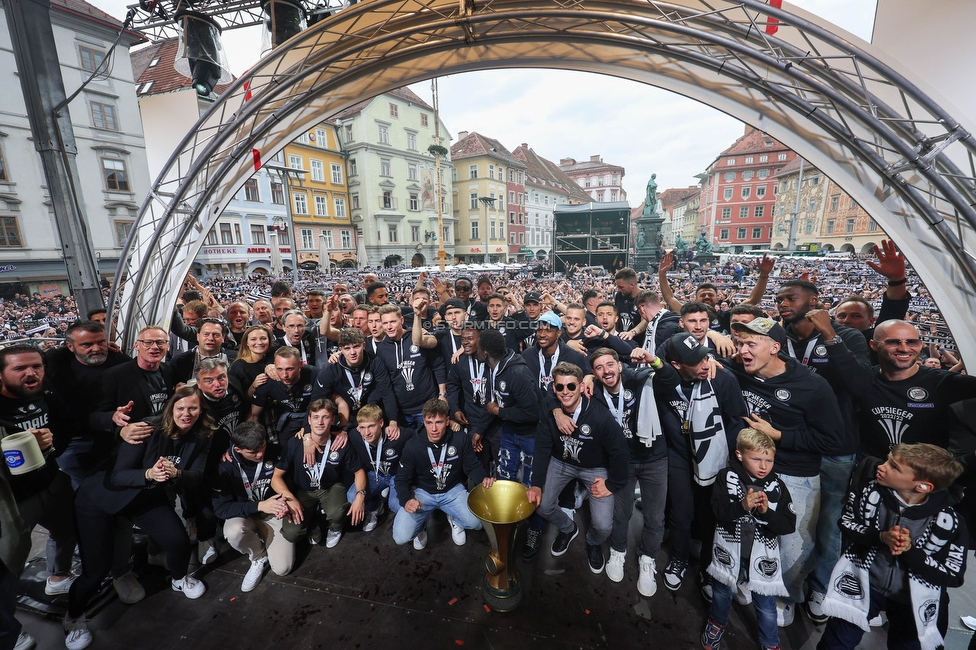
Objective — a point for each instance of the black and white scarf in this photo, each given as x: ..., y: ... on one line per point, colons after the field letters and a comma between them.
x: 648, y: 420
x: 705, y: 426
x: 848, y: 592
x: 766, y: 570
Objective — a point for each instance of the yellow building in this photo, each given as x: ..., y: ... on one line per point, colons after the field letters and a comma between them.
x: 316, y: 173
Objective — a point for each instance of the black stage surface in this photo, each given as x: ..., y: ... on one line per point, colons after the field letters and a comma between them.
x: 369, y: 593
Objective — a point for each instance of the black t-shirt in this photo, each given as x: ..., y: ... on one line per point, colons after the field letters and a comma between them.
x: 45, y: 411
x: 627, y: 313
x: 158, y: 395
x: 340, y: 466
x: 289, y: 403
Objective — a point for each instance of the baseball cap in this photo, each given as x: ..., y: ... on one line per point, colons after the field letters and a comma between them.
x: 532, y: 296
x: 552, y: 319
x: 454, y: 303
x: 765, y: 326
x: 685, y: 348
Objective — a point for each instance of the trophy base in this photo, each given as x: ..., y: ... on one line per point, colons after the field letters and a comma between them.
x: 501, y: 600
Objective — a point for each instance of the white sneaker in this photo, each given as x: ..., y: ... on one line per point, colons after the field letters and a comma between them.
x: 784, y: 613
x: 25, y: 642
x: 332, y: 538
x: 128, y: 588
x: 646, y: 582
x: 60, y: 587
x: 457, y: 533
x: 78, y: 634
x: 615, y: 565
x: 190, y: 586
x: 420, y: 541
x: 815, y: 607
x: 372, y: 520
x: 207, y: 551
x: 254, y: 574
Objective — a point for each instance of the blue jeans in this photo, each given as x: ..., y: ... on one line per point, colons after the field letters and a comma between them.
x: 515, y: 452
x: 796, y: 549
x: 454, y: 503
x: 765, y: 612
x: 415, y: 420
x: 835, y: 475
x: 374, y: 487
x: 601, y: 508
x: 902, y: 635
x: 653, y: 477
x: 75, y: 460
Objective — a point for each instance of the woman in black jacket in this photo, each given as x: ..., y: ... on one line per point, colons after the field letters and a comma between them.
x: 136, y: 487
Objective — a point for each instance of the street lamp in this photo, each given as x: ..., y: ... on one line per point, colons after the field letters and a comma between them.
x: 487, y: 201
x: 284, y: 175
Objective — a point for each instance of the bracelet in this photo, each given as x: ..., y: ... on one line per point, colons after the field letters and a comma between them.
x: 442, y: 394
x: 834, y: 341
x: 657, y: 364
x: 897, y: 283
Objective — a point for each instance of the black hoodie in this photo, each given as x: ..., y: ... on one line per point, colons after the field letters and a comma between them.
x: 513, y: 388
x: 372, y: 375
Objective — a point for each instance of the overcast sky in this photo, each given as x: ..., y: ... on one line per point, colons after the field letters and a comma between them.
x: 571, y: 114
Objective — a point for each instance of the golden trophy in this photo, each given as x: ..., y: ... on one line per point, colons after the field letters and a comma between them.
x: 501, y: 508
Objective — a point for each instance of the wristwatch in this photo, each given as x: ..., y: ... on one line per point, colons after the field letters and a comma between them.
x: 362, y: 492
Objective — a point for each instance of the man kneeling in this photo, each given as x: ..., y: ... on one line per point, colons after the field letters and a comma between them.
x: 430, y: 478
x: 307, y: 488
x: 251, y: 510
x: 380, y: 457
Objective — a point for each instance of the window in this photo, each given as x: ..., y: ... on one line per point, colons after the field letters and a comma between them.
x: 522, y: 238
x: 387, y: 200
x: 741, y: 233
x: 743, y: 211
x: 511, y: 197
x: 726, y: 213
x: 759, y: 211
x: 294, y: 162
x: 385, y: 167
x: 225, y: 235
x: 746, y: 191
x: 511, y: 237
x: 212, y: 237
x: 493, y: 231
x: 853, y: 203
x: 834, y: 203
x: 781, y: 156
x: 830, y: 226
x: 472, y: 171
x: 815, y: 181
x: 808, y: 227
x: 116, y: 177
x: 301, y: 203
x: 872, y: 225
x: 412, y: 172
x: 423, y: 119
x: 446, y: 233
x: 782, y: 209
x: 103, y: 116
x: 728, y: 177
x: 730, y: 162
x: 303, y: 138
x: 474, y: 230
x: 257, y: 234
x: 760, y: 191
x: 613, y: 195
x: 747, y: 175
x: 251, y: 192
x: 763, y: 173
x: 454, y: 174
x: 763, y: 158
x: 812, y: 205
x: 392, y: 230
x: 348, y: 130
x: 307, y: 238
x: 749, y: 160
x: 723, y: 233
x: 414, y: 202
x: 727, y: 193
x: 122, y: 230
x: 277, y: 193
x: 237, y: 234
x: 328, y: 239
x: 91, y: 59
x: 355, y: 201
x: 491, y: 171
x: 336, y: 173
x: 4, y: 176
x: 346, y: 237
x: 318, y: 171
x: 849, y: 226
x: 384, y: 134
x: 474, y: 201
x: 353, y: 169
x: 757, y: 233
x: 321, y: 138
x: 321, y: 205
x: 411, y: 141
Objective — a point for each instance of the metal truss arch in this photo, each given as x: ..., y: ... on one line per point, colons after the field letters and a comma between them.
x: 887, y: 143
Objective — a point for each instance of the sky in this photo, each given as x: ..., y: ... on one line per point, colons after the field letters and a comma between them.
x: 564, y: 114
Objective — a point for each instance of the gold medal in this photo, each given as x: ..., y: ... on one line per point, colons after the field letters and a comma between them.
x: 686, y: 427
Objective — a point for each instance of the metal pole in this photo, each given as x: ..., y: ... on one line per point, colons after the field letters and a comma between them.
x: 441, y: 253
x: 487, y: 200
x: 39, y: 69
x: 284, y: 175
x: 791, y: 242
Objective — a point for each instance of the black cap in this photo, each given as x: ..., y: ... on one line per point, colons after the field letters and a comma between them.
x: 454, y: 303
x: 532, y: 296
x: 685, y: 348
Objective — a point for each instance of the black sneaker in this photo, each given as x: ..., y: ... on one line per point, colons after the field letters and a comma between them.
x: 675, y: 573
x: 533, y: 540
x: 594, y: 556
x: 562, y: 541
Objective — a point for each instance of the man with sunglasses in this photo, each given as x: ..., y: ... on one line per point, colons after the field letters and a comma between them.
x: 594, y: 453
x: 463, y: 288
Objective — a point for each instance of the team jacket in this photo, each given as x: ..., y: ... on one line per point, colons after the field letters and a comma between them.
x: 513, y: 388
x: 415, y: 372
x: 416, y: 472
x: 372, y: 375
x: 469, y: 393
x: 230, y: 497
x: 389, y: 455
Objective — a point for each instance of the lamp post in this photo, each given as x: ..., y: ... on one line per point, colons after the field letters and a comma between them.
x: 487, y: 201
x: 284, y: 175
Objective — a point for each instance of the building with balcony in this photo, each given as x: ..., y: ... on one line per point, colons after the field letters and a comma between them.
x: 393, y: 181
x: 113, y: 172
x: 737, y: 192
x: 484, y: 169
x: 602, y: 181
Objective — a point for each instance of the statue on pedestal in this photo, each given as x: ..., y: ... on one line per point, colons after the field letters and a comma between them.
x: 650, y: 200
x: 702, y: 245
x: 680, y: 246
x: 641, y: 239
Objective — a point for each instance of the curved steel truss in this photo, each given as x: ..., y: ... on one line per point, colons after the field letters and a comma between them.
x: 887, y: 143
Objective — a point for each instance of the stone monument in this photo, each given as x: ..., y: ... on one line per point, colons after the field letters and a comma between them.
x: 647, y: 244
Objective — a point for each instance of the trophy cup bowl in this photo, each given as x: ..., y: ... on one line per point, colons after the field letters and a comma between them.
x: 501, y: 508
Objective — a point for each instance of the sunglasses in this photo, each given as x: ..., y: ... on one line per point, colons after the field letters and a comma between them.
x: 570, y: 387
x: 461, y: 287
